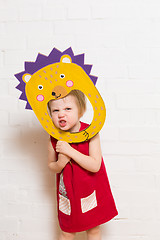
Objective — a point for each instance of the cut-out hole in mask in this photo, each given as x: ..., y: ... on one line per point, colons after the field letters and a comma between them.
x: 84, y: 107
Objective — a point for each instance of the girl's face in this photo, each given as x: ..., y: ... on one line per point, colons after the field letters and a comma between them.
x: 65, y: 114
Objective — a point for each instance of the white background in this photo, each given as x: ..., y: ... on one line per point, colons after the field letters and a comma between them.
x: 121, y: 38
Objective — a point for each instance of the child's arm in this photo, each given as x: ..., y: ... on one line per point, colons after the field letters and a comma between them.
x: 54, y: 164
x: 92, y: 162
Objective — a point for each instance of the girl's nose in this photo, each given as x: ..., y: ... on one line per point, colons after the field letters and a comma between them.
x: 61, y: 114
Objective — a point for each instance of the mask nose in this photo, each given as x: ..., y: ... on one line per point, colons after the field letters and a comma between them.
x: 59, y: 91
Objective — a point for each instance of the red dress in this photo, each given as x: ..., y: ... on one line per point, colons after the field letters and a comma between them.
x: 89, y: 201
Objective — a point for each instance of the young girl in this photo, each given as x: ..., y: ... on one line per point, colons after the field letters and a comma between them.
x: 84, y: 196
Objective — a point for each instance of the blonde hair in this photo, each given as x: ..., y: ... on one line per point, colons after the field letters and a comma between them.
x: 80, y: 100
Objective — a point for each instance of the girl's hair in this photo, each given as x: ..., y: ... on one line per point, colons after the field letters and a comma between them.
x: 80, y: 100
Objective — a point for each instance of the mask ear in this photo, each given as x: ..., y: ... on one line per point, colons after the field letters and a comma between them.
x: 26, y: 77
x: 66, y: 59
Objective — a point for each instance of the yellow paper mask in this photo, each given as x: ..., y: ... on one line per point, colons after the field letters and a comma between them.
x: 53, y: 77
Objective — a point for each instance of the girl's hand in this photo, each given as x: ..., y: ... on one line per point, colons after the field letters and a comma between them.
x: 63, y: 147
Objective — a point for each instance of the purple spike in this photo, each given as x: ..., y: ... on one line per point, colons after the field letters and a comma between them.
x: 28, y: 106
x: 40, y: 58
x: 19, y: 76
x: 79, y: 59
x: 30, y: 67
x: 55, y: 54
x: 21, y: 87
x: 87, y: 68
x: 69, y: 52
x: 23, y: 96
x: 53, y: 57
x: 94, y: 79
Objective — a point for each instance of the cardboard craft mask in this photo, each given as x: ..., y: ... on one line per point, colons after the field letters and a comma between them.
x: 53, y: 77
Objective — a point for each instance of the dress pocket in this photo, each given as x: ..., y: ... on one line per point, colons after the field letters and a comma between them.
x: 64, y: 205
x: 89, y: 202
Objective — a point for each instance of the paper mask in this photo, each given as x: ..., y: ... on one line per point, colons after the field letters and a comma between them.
x: 59, y: 73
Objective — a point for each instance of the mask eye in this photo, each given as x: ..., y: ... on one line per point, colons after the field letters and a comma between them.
x: 62, y: 76
x: 40, y: 87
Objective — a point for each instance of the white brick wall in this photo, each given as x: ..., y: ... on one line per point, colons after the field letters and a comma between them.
x: 122, y: 41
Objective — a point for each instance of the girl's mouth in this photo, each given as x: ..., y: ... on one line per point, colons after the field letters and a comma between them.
x: 62, y: 123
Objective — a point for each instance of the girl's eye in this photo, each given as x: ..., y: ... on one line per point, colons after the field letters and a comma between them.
x: 40, y: 87
x: 62, y: 76
x: 56, y: 110
x: 68, y: 109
